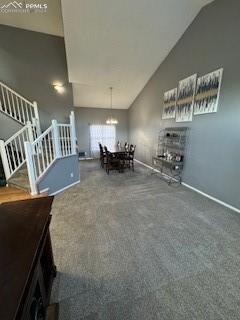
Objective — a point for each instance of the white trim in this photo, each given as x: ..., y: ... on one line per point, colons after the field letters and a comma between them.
x: 195, y: 189
x: 155, y: 170
x: 44, y: 190
x: 83, y: 159
x: 69, y: 186
x: 212, y: 198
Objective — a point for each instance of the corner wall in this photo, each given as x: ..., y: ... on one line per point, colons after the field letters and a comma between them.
x: 212, y: 163
x: 62, y: 174
x: 30, y: 62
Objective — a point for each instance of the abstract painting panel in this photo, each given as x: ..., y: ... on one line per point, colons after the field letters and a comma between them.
x: 207, y: 92
x: 169, y: 104
x: 185, y: 99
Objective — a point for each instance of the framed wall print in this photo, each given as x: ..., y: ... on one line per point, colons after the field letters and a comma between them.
x: 169, y: 104
x: 185, y: 99
x: 208, y: 92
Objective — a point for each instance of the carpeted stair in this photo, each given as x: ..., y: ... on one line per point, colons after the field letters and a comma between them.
x: 20, y: 179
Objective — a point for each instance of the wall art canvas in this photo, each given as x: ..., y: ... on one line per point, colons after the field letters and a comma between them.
x: 207, y: 92
x: 185, y: 99
x: 169, y: 104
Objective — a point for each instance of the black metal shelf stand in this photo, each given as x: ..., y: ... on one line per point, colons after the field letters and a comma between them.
x: 169, y: 158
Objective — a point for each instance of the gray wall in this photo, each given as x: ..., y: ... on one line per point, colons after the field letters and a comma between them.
x: 87, y: 116
x: 8, y: 126
x: 212, y: 163
x: 30, y: 62
x: 59, y: 175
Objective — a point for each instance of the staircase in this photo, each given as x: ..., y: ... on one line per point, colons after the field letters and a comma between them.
x: 29, y: 153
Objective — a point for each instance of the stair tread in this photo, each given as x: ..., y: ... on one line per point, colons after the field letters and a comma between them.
x: 8, y: 194
x: 20, y: 187
x: 9, y: 190
x: 19, y: 177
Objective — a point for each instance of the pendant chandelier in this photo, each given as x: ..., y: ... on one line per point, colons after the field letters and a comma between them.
x: 111, y: 120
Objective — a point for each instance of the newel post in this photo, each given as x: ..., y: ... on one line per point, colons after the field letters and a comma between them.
x: 73, y: 132
x: 36, y: 116
x: 30, y: 167
x: 56, y: 139
x: 30, y: 132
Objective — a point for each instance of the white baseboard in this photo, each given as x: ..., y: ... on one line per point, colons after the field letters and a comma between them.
x: 212, y: 198
x: 44, y: 190
x: 65, y: 188
x: 155, y: 170
x: 86, y: 158
x: 195, y: 189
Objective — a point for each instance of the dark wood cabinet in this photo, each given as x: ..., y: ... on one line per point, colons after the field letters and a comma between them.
x: 27, y: 267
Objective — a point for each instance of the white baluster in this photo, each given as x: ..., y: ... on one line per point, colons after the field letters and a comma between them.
x: 18, y: 109
x: 50, y: 146
x: 17, y: 152
x: 46, y: 150
x: 13, y: 104
x: 9, y: 104
x: 4, y: 101
x: 4, y: 159
x: 13, y: 155
x: 23, y: 112
x: 21, y: 147
x: 64, y: 140
x: 27, y: 112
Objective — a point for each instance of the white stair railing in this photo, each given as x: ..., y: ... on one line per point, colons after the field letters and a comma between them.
x: 58, y: 141
x: 17, y: 107
x: 64, y: 131
x: 13, y: 152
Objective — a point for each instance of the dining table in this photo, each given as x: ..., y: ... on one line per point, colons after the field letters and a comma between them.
x: 117, y: 150
x: 121, y: 156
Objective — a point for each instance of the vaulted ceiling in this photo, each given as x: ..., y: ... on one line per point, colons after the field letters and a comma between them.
x: 120, y: 44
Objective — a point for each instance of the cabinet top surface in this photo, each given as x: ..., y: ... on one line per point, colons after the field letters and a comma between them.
x: 22, y: 225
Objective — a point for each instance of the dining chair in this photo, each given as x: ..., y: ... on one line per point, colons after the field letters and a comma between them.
x: 126, y: 146
x: 122, y: 157
x: 102, y: 156
x: 112, y: 163
x: 130, y: 156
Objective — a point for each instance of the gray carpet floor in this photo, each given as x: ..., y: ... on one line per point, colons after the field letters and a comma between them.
x: 128, y: 246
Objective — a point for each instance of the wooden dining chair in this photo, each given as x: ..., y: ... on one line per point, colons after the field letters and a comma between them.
x: 122, y: 157
x: 112, y: 163
x: 103, y: 159
x: 130, y: 156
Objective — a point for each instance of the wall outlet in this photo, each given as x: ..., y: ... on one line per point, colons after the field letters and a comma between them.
x: 71, y: 174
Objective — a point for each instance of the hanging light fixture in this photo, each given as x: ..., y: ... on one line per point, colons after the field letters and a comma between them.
x: 111, y: 120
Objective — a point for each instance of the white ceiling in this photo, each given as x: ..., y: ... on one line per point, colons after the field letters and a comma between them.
x: 48, y: 22
x: 120, y: 43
